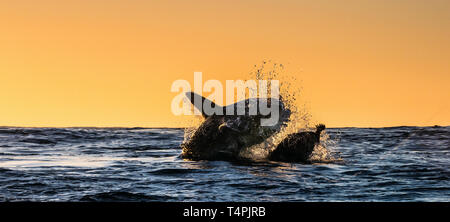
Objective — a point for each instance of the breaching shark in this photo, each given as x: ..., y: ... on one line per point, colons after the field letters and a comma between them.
x: 224, y: 136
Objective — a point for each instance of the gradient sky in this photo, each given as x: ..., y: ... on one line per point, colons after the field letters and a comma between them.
x: 111, y: 63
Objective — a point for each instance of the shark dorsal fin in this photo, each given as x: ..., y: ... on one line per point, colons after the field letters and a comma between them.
x: 198, y: 102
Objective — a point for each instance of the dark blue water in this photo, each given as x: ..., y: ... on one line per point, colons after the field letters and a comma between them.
x: 136, y: 164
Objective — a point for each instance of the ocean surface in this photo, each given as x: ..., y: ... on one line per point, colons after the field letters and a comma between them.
x: 142, y: 164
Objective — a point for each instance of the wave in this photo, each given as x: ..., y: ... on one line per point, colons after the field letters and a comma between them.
x: 122, y: 196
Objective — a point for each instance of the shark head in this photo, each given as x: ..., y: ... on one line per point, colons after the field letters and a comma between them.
x: 222, y: 135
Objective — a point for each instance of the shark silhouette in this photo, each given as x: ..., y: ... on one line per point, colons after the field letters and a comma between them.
x: 223, y: 136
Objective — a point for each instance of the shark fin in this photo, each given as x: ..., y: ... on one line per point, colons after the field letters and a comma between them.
x: 198, y: 102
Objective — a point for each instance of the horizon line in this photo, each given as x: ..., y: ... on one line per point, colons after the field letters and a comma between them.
x: 182, y: 127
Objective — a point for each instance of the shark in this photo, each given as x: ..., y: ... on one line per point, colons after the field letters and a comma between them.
x: 223, y: 135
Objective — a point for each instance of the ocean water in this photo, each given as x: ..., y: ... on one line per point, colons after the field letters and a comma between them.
x: 142, y: 164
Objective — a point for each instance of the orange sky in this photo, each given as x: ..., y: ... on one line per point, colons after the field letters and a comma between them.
x: 112, y: 63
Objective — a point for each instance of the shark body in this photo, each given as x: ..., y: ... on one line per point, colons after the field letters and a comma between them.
x: 223, y: 137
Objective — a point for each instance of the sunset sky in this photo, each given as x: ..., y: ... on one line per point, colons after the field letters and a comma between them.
x: 111, y: 63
